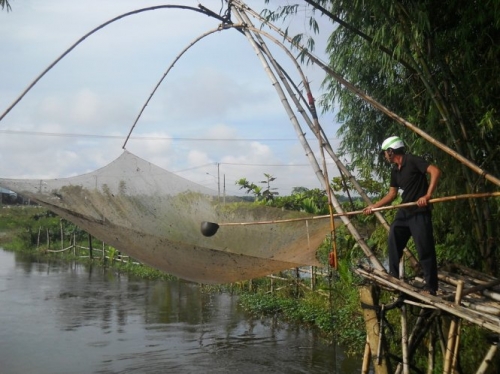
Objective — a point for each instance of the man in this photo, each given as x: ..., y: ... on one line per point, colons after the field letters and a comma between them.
x: 410, y: 174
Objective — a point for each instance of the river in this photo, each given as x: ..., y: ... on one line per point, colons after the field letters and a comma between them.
x: 69, y: 318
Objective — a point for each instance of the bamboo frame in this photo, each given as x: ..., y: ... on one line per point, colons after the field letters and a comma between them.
x: 489, y: 322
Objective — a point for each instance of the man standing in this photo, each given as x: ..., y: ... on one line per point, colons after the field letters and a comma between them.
x: 409, y: 173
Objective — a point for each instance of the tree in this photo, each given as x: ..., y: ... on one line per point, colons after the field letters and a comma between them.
x: 5, y: 5
x: 436, y: 65
x: 266, y: 194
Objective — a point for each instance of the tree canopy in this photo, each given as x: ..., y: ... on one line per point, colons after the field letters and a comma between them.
x: 435, y: 64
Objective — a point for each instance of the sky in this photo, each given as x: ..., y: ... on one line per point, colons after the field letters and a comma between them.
x: 214, y: 119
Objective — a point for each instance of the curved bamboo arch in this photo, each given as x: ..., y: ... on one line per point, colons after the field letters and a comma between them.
x: 164, y: 76
x: 202, y: 10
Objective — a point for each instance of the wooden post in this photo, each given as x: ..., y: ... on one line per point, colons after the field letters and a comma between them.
x: 404, y: 341
x: 297, y: 280
x: 313, y: 277
x: 90, y: 247
x: 62, y: 233
x: 38, y: 238
x: 369, y: 297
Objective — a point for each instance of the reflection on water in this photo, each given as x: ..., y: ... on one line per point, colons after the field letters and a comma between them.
x: 67, y: 318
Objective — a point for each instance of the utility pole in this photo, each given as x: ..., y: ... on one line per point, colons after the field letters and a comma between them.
x: 224, y: 190
x: 218, y: 181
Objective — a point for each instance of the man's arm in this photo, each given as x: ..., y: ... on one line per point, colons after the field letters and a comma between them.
x: 434, y: 173
x: 389, y: 198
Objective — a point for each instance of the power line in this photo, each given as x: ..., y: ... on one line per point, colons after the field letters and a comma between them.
x: 290, y: 165
x: 76, y: 135
x: 242, y: 164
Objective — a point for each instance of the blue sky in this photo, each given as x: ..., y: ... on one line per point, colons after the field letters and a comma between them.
x: 216, y: 111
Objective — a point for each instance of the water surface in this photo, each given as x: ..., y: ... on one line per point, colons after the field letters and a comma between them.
x: 70, y: 318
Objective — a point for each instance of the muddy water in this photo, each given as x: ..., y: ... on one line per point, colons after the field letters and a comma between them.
x: 68, y: 318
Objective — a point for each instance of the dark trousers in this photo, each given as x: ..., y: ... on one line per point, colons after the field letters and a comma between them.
x: 419, y: 226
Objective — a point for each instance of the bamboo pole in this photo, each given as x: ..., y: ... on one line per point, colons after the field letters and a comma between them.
x: 404, y: 330
x: 380, y: 336
x: 423, y: 324
x: 404, y: 341
x: 440, y: 336
x: 492, y: 295
x: 365, y: 367
x: 457, y: 344
x: 452, y: 334
x: 356, y: 212
x: 483, y: 368
x: 218, y: 29
x: 481, y: 287
x: 431, y: 352
x: 494, y: 310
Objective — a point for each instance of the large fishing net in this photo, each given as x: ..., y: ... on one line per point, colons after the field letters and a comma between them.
x: 155, y: 217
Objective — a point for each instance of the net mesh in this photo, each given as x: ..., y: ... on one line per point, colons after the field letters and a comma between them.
x: 154, y: 216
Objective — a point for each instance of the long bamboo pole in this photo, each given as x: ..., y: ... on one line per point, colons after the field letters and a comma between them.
x: 356, y: 212
x: 314, y: 125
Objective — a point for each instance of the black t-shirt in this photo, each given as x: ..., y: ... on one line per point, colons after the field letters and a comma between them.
x: 411, y: 178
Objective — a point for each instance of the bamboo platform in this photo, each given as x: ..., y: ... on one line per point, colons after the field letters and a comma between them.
x: 464, y: 296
